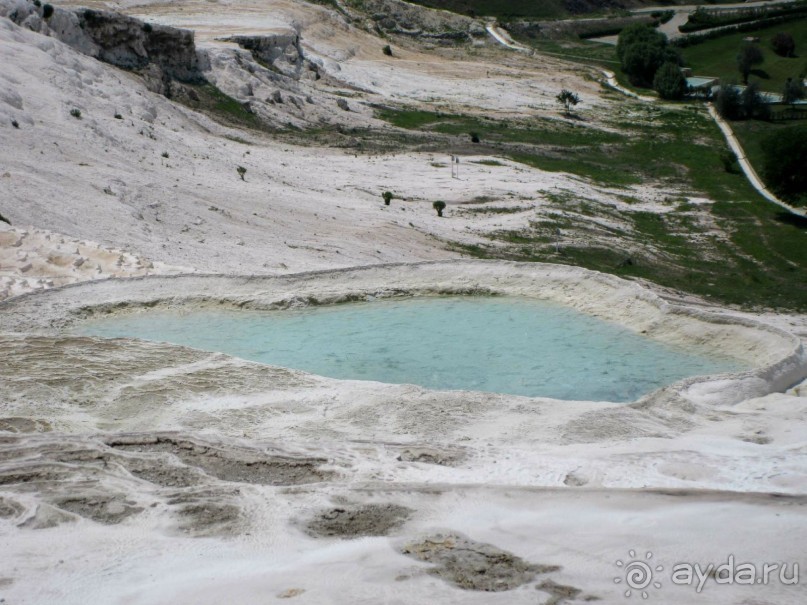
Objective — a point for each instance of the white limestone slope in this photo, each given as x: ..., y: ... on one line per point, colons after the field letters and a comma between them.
x: 161, y: 181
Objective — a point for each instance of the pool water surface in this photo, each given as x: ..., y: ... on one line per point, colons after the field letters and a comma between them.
x: 506, y: 345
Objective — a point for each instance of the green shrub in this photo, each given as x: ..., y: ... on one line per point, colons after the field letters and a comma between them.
x: 669, y: 82
x: 752, y: 105
x: 47, y: 11
x: 148, y: 28
x: 474, y: 137
x: 727, y: 102
x: 793, y: 91
x: 165, y: 154
x: 439, y: 206
x: 729, y: 160
x: 76, y: 113
x: 387, y: 50
x: 783, y: 44
x: 785, y: 156
x: 241, y: 172
x: 387, y: 195
x: 15, y: 123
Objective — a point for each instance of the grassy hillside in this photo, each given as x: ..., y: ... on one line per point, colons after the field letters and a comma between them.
x: 736, y: 249
x: 718, y: 57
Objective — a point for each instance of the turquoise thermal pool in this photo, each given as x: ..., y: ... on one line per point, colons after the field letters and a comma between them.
x: 503, y: 345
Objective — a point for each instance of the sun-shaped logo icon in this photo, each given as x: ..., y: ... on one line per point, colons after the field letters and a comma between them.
x: 638, y: 574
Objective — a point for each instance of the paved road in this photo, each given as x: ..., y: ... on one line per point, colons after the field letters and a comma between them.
x: 688, y: 8
x: 681, y: 16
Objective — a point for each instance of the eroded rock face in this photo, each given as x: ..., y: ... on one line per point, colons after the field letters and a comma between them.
x: 165, y: 53
x: 132, y: 44
x: 403, y: 18
x: 281, y: 51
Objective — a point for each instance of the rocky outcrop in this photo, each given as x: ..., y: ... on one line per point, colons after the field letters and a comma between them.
x: 280, y: 51
x: 162, y: 54
x: 403, y: 18
x: 132, y: 44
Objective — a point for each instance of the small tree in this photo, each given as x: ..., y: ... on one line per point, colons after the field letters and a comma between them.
x: 727, y: 102
x: 752, y: 104
x: 568, y: 99
x: 793, y: 91
x: 47, y: 11
x: 387, y: 50
x: 241, y: 172
x: 750, y: 55
x: 783, y: 44
x: 387, y: 195
x: 669, y: 82
x: 439, y: 206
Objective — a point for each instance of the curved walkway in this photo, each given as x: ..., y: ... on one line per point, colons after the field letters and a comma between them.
x: 503, y: 38
x: 746, y: 166
x: 610, y: 80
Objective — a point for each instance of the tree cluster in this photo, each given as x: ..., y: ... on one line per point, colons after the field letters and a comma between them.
x: 734, y: 103
x: 642, y: 51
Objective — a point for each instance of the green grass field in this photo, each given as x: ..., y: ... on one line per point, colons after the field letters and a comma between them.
x: 718, y: 57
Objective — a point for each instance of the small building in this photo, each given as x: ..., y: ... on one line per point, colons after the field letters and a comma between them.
x: 701, y: 86
x: 751, y: 40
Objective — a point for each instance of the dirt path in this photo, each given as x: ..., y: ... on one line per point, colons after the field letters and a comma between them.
x: 746, y: 166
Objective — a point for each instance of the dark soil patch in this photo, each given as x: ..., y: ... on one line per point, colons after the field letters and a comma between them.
x: 354, y: 522
x: 237, y: 466
x: 473, y: 565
